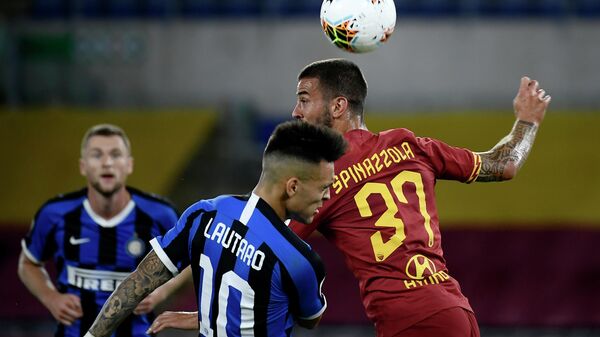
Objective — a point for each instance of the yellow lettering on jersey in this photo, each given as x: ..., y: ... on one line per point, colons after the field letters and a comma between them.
x: 385, y: 156
x: 410, y: 284
x: 369, y: 166
x: 435, y: 278
x: 359, y: 169
x: 408, y: 150
x: 352, y: 174
x: 377, y: 165
x: 345, y: 177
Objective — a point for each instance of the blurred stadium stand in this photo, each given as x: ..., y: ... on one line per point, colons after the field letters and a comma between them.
x: 53, y: 9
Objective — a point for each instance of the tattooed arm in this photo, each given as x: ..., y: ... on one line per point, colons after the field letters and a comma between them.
x: 506, y: 158
x: 149, y: 275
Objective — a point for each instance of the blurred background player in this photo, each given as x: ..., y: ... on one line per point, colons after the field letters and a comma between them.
x: 96, y: 236
x: 253, y: 276
x: 382, y: 214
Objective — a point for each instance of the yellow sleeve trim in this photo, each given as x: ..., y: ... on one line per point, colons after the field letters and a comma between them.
x: 476, y: 168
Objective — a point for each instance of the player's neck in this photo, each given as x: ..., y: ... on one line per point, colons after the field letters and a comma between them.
x: 271, y: 197
x: 108, y: 206
x: 344, y: 125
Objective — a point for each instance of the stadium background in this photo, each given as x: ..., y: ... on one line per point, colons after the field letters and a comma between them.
x: 199, y: 85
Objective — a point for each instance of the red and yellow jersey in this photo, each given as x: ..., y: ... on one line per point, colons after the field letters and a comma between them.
x: 382, y: 215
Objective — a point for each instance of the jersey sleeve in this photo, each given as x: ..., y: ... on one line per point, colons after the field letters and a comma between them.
x: 169, y: 219
x: 39, y: 244
x: 173, y: 247
x: 449, y: 162
x: 307, y: 300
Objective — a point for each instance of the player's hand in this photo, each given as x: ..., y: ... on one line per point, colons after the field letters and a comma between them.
x: 149, y: 303
x: 531, y: 101
x: 66, y: 308
x: 177, y: 320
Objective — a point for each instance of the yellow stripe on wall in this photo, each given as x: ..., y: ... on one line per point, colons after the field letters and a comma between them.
x: 40, y: 151
x: 559, y: 184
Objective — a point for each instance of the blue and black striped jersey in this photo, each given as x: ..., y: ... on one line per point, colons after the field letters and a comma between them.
x: 93, y: 255
x: 253, y: 276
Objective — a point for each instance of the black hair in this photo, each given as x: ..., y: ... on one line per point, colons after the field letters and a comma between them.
x: 306, y: 142
x: 339, y: 77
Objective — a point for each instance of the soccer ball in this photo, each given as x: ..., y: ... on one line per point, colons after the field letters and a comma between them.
x: 358, y: 26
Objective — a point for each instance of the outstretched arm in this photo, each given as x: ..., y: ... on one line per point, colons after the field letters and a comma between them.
x: 149, y: 275
x: 183, y: 320
x: 505, y: 159
x: 163, y: 292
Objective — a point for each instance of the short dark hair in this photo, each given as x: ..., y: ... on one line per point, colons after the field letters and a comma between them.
x: 306, y: 142
x: 106, y: 130
x: 339, y: 77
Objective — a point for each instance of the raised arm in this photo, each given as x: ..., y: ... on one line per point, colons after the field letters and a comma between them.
x: 505, y: 159
x: 149, y: 275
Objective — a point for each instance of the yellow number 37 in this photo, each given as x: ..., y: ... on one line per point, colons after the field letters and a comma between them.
x: 381, y: 249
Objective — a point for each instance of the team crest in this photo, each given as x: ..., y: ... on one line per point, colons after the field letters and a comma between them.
x: 135, y: 247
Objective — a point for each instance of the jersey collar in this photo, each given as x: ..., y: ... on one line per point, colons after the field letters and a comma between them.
x: 112, y: 222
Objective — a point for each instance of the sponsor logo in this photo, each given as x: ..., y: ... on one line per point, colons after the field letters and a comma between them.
x: 422, y: 271
x: 96, y: 280
x: 76, y: 242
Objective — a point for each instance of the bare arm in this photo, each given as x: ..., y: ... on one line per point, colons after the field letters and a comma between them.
x: 65, y: 308
x: 163, y: 292
x: 505, y: 159
x: 183, y: 320
x: 149, y: 275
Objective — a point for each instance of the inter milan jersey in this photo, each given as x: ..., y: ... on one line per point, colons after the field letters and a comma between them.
x: 93, y: 255
x: 382, y: 215
x: 253, y: 276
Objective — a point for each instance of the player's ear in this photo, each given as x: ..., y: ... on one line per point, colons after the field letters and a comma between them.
x: 339, y: 106
x: 130, y: 165
x: 82, y: 167
x: 291, y: 186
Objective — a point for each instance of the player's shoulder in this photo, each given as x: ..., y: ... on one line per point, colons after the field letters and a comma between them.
x: 221, y: 203
x: 62, y: 203
x: 150, y: 201
x: 397, y: 133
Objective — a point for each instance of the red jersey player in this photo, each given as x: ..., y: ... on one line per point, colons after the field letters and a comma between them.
x: 382, y: 213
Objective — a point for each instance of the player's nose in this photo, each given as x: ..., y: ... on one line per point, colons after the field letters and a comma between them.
x: 296, y: 113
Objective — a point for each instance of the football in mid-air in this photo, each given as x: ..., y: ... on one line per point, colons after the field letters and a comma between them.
x: 358, y: 26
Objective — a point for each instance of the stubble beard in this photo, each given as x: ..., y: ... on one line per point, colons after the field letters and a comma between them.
x: 325, y: 119
x: 106, y: 193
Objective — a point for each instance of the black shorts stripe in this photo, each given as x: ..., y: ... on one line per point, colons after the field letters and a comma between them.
x: 107, y: 248
x: 72, y: 229
x: 90, y: 310
x: 226, y: 263
x: 262, y: 294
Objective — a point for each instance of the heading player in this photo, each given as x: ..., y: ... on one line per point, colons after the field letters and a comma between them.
x: 382, y: 213
x: 253, y: 276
